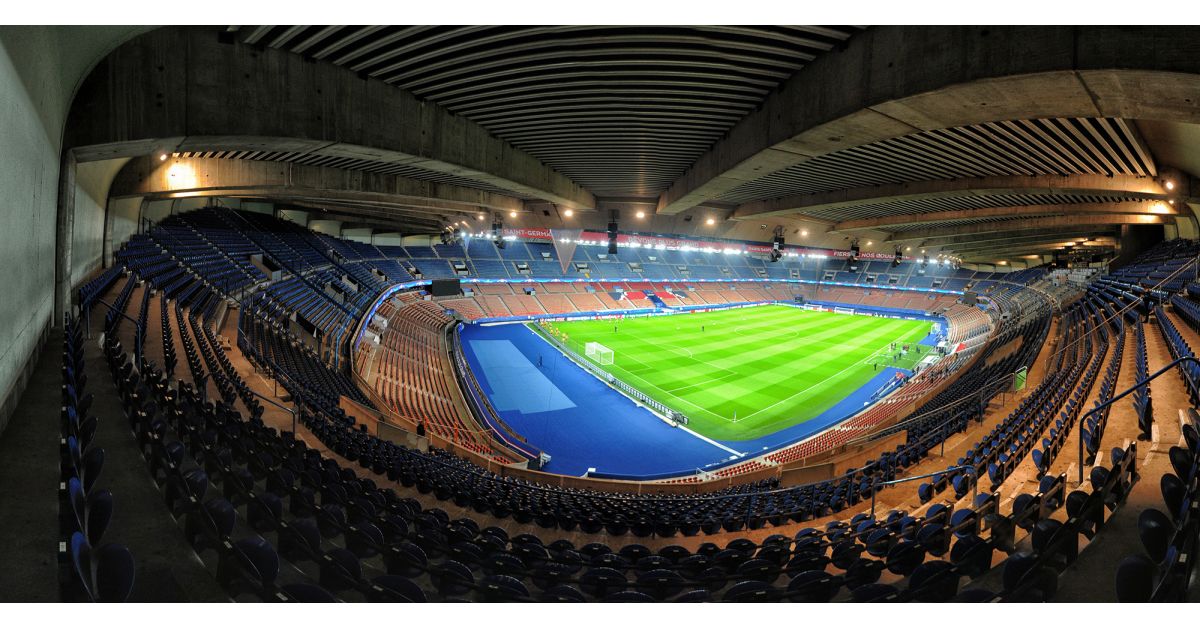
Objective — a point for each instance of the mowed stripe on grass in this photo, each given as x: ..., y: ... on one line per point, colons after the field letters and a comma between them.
x: 771, y: 366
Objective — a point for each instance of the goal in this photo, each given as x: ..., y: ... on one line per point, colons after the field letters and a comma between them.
x: 599, y: 353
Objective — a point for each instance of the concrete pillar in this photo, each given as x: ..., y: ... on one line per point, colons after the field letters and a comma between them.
x: 64, y: 236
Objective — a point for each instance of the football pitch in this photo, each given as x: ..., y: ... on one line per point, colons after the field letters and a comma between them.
x: 740, y: 374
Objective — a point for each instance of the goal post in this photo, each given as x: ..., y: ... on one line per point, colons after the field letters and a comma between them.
x: 599, y: 353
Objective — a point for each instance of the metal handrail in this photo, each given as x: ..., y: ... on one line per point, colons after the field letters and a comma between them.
x: 137, y: 335
x: 910, y: 421
x: 1127, y: 392
x: 1192, y: 265
x: 293, y: 412
x: 875, y: 485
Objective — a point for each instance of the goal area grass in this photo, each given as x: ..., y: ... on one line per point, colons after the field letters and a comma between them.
x: 740, y: 374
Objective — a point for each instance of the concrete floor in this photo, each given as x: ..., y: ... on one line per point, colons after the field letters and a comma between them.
x: 167, y: 568
x: 29, y: 484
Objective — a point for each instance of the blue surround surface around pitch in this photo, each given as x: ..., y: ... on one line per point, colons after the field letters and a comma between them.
x: 582, y: 423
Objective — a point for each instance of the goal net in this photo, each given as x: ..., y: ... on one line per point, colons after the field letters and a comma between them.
x: 599, y: 353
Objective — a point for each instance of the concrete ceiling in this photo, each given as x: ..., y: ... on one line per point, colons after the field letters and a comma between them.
x: 961, y: 138
x: 622, y: 111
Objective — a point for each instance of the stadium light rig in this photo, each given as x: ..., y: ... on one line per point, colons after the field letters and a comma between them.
x: 497, y: 226
x: 612, y: 233
x: 777, y: 244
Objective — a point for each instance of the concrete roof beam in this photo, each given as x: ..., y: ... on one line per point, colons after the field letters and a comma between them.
x: 179, y: 177
x: 1082, y: 222
x: 896, y: 80
x: 172, y: 90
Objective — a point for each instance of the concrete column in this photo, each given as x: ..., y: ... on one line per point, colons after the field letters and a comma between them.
x: 64, y: 237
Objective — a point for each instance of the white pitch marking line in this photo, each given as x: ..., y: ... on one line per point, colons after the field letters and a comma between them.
x: 713, y: 442
x: 782, y: 400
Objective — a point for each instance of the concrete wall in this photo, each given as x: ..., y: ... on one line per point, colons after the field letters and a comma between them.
x: 328, y: 227
x: 157, y: 210
x: 1136, y: 239
x: 357, y: 235
x: 387, y: 239
x: 189, y: 204
x: 420, y: 240
x: 122, y: 224
x: 92, y: 181
x: 252, y: 205
x: 40, y: 68
x: 30, y: 135
x: 299, y: 217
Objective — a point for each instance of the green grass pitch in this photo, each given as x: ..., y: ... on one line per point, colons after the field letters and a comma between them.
x: 772, y: 366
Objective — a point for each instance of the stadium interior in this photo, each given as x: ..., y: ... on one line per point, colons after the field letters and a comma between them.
x: 552, y: 314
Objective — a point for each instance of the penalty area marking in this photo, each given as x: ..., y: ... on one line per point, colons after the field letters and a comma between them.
x: 685, y: 429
